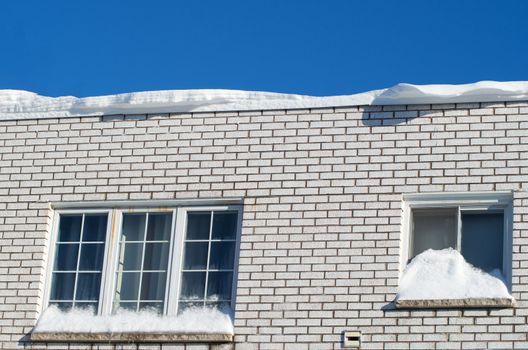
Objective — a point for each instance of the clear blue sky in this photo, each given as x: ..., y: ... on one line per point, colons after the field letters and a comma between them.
x: 321, y: 47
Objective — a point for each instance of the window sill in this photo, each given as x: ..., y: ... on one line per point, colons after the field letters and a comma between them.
x: 455, y: 303
x: 87, y: 337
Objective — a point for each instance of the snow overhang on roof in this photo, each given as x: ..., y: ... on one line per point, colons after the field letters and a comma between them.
x: 19, y: 104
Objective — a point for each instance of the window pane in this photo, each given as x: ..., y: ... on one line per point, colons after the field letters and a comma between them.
x: 94, y: 229
x: 482, y: 239
x: 92, y: 256
x: 224, y: 225
x: 183, y: 305
x: 70, y: 228
x: 87, y: 306
x: 193, y: 285
x: 219, y: 285
x: 62, y: 286
x: 198, y: 224
x: 153, y: 286
x: 88, y: 285
x: 222, y: 255
x: 156, y: 256
x: 131, y: 256
x: 150, y: 306
x: 128, y: 285
x: 434, y: 229
x: 66, y: 257
x: 159, y: 226
x: 224, y: 306
x: 133, y: 227
x: 132, y: 306
x: 195, y: 255
x: 63, y: 306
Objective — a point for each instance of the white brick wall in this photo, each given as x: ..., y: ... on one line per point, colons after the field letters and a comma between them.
x: 322, y: 196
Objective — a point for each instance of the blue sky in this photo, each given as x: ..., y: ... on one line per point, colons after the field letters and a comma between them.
x: 322, y: 47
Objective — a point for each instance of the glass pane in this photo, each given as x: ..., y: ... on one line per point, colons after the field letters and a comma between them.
x: 482, y: 239
x: 132, y: 306
x: 66, y: 257
x: 70, y: 228
x: 434, y: 229
x: 150, y: 306
x: 219, y: 285
x: 88, y: 285
x: 224, y: 225
x: 128, y: 285
x: 133, y: 227
x: 62, y: 286
x: 94, y: 229
x: 222, y: 255
x: 159, y: 226
x: 130, y: 259
x: 153, y: 286
x: 92, y: 256
x: 223, y: 306
x: 156, y: 256
x: 87, y: 306
x: 182, y: 306
x: 64, y: 306
x: 193, y: 285
x: 195, y: 255
x: 198, y: 224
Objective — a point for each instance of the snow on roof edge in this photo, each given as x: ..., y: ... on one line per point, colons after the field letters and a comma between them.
x: 19, y: 104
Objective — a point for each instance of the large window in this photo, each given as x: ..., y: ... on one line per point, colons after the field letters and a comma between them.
x: 144, y: 259
x: 477, y: 225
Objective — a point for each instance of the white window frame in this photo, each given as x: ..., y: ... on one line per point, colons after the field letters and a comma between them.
x: 110, y: 262
x: 477, y: 202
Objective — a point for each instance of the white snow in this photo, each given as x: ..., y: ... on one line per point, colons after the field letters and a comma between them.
x: 198, y: 320
x: 18, y: 104
x: 444, y: 274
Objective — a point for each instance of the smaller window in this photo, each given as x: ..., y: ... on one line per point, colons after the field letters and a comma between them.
x: 477, y: 225
x: 477, y: 234
x: 435, y: 227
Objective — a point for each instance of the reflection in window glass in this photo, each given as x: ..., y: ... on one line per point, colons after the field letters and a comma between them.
x: 79, y: 256
x: 482, y: 239
x: 141, y: 276
x: 209, y: 258
x: 434, y: 229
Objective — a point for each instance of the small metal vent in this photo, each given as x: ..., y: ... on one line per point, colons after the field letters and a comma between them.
x: 352, y: 340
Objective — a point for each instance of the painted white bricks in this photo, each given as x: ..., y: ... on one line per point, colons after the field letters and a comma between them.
x: 322, y: 196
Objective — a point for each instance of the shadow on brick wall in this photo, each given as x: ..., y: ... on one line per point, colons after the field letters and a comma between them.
x: 377, y: 116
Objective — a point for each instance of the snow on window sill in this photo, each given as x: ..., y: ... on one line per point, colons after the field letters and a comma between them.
x: 89, y: 337
x: 455, y: 303
x: 438, y: 279
x: 206, y: 325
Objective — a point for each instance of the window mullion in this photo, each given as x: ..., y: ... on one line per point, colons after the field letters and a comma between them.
x: 208, y: 256
x: 142, y: 259
x: 180, y: 222
x: 459, y: 230
x: 78, y: 262
x: 108, y: 275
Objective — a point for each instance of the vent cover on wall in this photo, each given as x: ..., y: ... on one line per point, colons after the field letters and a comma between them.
x: 352, y: 339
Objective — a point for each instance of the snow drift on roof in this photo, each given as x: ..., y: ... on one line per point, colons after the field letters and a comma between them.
x: 444, y: 274
x: 199, y: 320
x: 18, y: 104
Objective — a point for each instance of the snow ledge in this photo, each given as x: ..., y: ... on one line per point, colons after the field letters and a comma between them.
x: 19, y: 104
x: 89, y: 337
x: 444, y: 279
x: 455, y: 303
